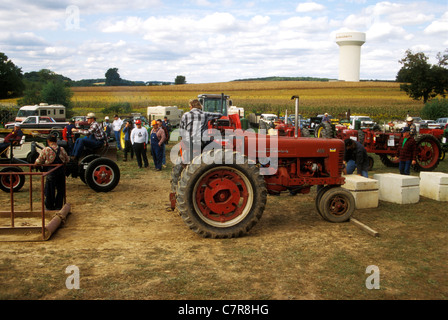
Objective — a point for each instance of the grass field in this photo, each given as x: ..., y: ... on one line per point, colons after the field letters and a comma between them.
x: 380, y: 100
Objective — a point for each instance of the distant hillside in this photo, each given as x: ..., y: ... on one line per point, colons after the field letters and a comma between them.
x: 286, y: 79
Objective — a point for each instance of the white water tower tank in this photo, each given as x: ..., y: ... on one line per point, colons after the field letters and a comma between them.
x: 350, y: 54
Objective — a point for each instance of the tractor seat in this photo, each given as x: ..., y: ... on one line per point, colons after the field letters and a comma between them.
x: 101, y: 150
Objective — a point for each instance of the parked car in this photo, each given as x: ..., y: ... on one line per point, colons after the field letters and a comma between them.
x: 365, y: 121
x: 442, y: 122
x: 431, y: 124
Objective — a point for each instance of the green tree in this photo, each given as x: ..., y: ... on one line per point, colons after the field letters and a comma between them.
x: 11, y: 84
x: 421, y: 80
x: 437, y: 108
x: 113, y: 77
x: 180, y: 80
x: 57, y: 92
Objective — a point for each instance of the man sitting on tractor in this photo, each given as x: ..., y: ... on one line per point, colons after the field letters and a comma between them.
x: 12, y: 138
x: 411, y: 125
x: 94, y: 137
x: 192, y: 126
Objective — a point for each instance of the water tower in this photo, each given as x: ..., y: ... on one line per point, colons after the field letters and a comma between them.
x: 350, y: 54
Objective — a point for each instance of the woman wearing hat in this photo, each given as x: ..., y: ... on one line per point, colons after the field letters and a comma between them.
x: 407, y: 151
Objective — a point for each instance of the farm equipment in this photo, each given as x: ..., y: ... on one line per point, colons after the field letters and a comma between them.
x: 442, y: 135
x: 96, y: 167
x: 226, y: 197
x: 385, y: 145
x: 14, y: 181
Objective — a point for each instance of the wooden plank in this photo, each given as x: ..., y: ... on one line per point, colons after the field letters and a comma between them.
x: 364, y: 227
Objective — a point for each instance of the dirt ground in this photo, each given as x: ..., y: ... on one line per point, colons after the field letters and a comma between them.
x: 127, y: 245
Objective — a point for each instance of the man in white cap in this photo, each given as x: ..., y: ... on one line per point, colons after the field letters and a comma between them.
x: 411, y: 125
x: 107, y: 126
x: 94, y: 137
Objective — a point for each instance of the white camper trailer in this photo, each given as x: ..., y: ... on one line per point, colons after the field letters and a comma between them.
x: 173, y: 114
x: 55, y: 111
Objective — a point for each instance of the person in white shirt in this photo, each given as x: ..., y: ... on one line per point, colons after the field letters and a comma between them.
x: 116, y: 126
x: 139, y: 140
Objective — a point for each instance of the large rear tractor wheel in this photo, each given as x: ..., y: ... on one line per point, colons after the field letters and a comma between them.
x: 176, y: 172
x: 221, y: 200
x: 323, y: 130
x: 428, y: 153
x: 337, y: 205
x: 16, y: 181
x: 389, y: 160
x: 102, y: 175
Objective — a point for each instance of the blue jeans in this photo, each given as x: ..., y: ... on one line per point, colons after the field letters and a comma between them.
x: 351, y: 166
x: 117, y: 138
x: 405, y: 167
x: 89, y: 142
x: 163, y: 154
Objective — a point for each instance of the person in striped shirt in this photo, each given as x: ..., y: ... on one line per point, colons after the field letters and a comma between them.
x: 94, y: 137
x: 192, y: 127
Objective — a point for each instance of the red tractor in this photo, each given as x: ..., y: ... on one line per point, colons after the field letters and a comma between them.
x: 226, y: 197
x: 385, y: 145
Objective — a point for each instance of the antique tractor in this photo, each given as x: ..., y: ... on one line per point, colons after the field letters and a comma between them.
x: 222, y: 192
x: 96, y: 167
x: 385, y: 145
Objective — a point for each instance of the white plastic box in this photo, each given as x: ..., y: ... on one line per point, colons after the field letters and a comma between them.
x: 434, y: 185
x: 397, y: 188
x: 364, y: 190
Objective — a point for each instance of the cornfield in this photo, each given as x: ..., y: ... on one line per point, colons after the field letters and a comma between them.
x: 382, y: 101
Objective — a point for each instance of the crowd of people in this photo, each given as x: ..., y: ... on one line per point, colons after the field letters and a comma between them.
x: 138, y: 137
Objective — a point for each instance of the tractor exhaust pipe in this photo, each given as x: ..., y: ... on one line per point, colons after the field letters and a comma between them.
x: 296, y: 122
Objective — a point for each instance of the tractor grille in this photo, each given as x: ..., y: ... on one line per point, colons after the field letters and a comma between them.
x: 340, y: 161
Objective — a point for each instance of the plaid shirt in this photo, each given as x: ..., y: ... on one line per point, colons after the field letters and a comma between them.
x: 48, y: 154
x: 96, y: 130
x: 408, y: 151
x: 194, y: 123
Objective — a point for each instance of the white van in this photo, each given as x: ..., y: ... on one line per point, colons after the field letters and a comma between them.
x: 56, y: 111
x: 173, y: 114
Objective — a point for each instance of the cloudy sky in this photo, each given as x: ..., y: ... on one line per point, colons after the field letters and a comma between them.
x: 216, y: 40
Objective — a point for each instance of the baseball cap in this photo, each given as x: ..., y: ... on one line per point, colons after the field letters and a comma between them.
x: 138, y: 122
x: 153, y: 122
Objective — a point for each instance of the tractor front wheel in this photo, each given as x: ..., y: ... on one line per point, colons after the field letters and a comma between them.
x: 102, y: 175
x: 14, y: 181
x: 221, y: 200
x: 337, y: 205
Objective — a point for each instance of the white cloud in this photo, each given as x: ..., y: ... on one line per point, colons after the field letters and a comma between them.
x: 158, y: 39
x: 439, y: 26
x: 309, y: 7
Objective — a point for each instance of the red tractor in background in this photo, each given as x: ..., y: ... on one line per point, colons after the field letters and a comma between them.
x: 385, y: 145
x: 226, y: 197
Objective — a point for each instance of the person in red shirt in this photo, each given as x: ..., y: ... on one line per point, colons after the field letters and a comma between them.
x: 13, y: 138
x: 407, y: 151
